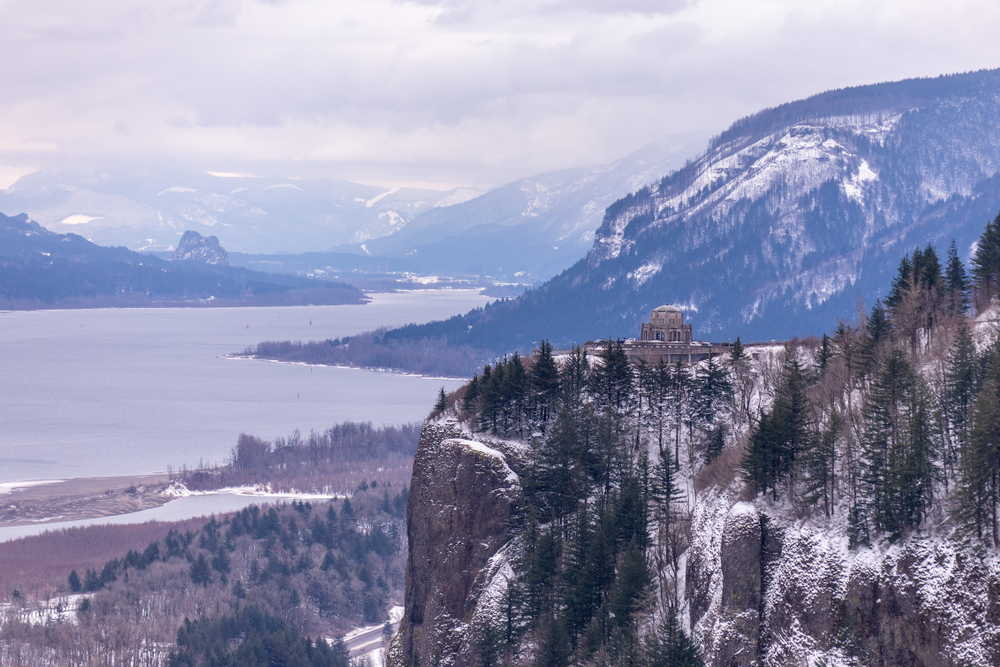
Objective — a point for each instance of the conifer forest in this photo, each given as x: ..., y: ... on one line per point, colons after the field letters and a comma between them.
x: 888, y: 425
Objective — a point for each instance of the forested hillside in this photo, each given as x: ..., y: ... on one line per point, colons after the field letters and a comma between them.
x: 661, y: 509
x: 313, y: 569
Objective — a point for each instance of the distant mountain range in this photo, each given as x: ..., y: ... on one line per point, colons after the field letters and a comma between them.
x: 527, y: 230
x: 790, y: 216
x: 533, y: 228
x: 149, y: 210
x: 43, y: 269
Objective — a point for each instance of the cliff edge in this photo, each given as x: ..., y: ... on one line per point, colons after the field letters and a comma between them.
x: 458, y: 524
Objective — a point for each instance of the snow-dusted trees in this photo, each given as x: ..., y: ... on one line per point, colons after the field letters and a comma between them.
x: 591, y: 500
x: 979, y: 495
x: 782, y: 435
x: 986, y: 263
x: 899, y: 449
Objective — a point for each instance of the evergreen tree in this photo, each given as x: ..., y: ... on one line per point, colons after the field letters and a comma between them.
x: 957, y: 285
x: 760, y: 462
x: 489, y: 397
x: 659, y: 392
x: 927, y: 270
x: 824, y: 354
x: 986, y: 263
x: 442, y: 401
x: 544, y: 382
x: 632, y: 513
x: 74, y: 582
x: 631, y: 588
x: 515, y: 395
x: 781, y: 437
x: 470, y: 400
x: 900, y: 284
x: 200, y: 572
x: 670, y: 646
x: 878, y: 333
x: 959, y: 392
x: 553, y: 644
x: 558, y: 477
x: 664, y: 489
x: 678, y: 385
x: 898, y: 448
x: 821, y: 466
x: 737, y: 353
x: 611, y: 380
x: 580, y: 593
x: 487, y: 644
x: 713, y: 393
x: 716, y: 442
x: 979, y: 498
x: 573, y: 377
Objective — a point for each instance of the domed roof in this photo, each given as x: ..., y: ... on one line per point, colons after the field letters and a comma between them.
x: 667, y: 309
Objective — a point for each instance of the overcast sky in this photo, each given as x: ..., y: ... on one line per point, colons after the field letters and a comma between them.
x: 434, y: 92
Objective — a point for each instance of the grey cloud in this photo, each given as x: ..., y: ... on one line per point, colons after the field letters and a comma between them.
x: 494, y: 89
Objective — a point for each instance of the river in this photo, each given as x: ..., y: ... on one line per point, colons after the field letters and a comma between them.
x: 87, y: 393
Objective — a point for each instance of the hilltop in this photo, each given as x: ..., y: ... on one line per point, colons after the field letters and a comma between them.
x: 42, y: 269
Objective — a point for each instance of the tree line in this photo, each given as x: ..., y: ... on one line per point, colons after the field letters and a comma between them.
x: 322, y: 462
x: 380, y: 348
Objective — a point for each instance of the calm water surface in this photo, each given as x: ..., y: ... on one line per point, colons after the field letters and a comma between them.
x: 123, y: 392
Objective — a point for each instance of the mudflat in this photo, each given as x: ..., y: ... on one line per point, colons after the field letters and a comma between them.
x: 81, y: 498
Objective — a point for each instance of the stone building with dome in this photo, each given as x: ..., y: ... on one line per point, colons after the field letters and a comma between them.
x: 666, y: 325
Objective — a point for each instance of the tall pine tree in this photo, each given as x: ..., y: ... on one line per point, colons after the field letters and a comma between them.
x: 957, y: 285
x: 899, y: 452
x: 986, y: 263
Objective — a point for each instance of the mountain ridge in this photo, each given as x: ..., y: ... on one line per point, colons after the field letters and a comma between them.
x: 42, y: 269
x: 792, y: 219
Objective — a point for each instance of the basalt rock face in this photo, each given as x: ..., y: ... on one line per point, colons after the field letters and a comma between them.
x: 458, y: 525
x: 762, y: 594
x: 759, y: 589
x: 194, y: 246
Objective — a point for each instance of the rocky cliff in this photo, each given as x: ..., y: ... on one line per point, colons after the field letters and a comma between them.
x: 758, y: 586
x: 763, y: 591
x: 458, y: 525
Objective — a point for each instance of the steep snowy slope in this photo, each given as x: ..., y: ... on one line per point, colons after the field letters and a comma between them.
x: 787, y: 219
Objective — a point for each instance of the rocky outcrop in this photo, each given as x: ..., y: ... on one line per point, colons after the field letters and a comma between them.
x: 458, y: 522
x: 759, y: 589
x: 761, y: 594
x: 195, y: 247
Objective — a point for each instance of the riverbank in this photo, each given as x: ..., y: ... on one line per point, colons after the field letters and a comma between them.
x: 53, y: 501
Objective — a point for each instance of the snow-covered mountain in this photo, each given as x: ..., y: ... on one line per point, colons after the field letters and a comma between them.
x: 788, y: 218
x: 150, y: 210
x: 532, y: 228
x: 797, y: 209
